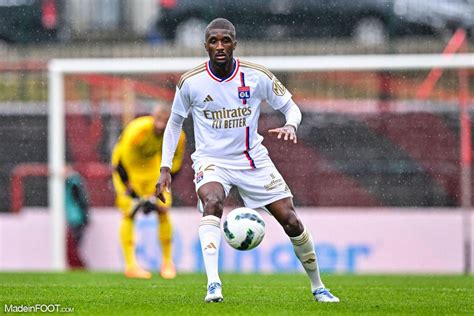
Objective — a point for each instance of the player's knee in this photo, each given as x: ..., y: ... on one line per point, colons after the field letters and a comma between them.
x: 213, y: 206
x: 292, y: 225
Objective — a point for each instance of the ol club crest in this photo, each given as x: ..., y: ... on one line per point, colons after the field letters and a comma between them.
x: 244, y: 93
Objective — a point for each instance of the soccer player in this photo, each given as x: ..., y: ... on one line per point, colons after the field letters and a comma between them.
x: 224, y: 96
x: 136, y: 159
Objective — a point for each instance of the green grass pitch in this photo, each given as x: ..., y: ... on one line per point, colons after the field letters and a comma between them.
x: 91, y: 293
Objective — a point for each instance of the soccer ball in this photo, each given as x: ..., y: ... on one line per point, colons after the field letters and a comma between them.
x: 244, y: 228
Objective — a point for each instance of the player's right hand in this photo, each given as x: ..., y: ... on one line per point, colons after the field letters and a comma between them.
x: 164, y: 183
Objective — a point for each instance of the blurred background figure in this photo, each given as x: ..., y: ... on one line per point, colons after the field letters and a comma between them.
x: 77, y: 213
x: 136, y: 160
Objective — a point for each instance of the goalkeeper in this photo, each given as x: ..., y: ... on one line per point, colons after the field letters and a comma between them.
x: 136, y: 160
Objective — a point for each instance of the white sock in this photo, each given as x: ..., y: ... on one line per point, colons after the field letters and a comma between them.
x: 304, y: 250
x: 210, y: 236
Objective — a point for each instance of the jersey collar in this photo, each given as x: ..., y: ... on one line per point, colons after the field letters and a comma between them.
x: 229, y: 77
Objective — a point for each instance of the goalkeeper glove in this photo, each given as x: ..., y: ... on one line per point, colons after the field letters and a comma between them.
x: 149, y: 206
x: 137, y: 204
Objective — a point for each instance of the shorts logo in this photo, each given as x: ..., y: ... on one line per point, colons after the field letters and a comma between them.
x: 278, y: 88
x: 274, y: 183
x: 209, y: 168
x: 244, y: 93
x: 199, y: 176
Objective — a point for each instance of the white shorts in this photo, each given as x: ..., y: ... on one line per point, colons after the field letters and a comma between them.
x: 257, y: 187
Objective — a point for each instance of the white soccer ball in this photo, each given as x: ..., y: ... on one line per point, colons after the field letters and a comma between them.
x: 244, y: 228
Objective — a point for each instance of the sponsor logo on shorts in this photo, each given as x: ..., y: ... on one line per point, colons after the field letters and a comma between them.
x: 209, y: 168
x: 274, y: 184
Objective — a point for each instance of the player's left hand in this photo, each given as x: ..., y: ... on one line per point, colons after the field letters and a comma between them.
x: 288, y: 132
x: 164, y: 183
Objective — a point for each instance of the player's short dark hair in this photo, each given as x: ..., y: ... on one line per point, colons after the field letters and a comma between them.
x: 220, y: 23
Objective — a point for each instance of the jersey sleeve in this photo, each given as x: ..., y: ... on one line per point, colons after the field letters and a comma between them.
x: 179, y: 153
x: 182, y: 102
x: 276, y: 93
x: 171, y: 137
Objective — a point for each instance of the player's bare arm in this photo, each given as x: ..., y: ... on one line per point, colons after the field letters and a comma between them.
x: 288, y: 132
x: 164, y: 183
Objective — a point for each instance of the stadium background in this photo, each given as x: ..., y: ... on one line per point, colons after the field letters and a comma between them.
x: 361, y: 144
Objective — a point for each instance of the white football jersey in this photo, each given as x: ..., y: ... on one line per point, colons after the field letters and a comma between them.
x: 226, y: 111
